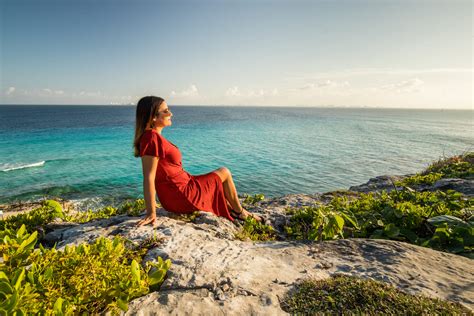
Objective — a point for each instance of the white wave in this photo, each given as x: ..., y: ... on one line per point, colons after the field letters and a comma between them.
x: 22, y: 166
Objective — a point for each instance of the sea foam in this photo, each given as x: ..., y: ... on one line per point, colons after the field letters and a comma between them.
x: 12, y: 167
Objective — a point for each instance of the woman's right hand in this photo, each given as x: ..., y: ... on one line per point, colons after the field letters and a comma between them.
x: 149, y: 219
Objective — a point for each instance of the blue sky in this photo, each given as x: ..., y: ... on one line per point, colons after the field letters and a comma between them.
x: 412, y: 54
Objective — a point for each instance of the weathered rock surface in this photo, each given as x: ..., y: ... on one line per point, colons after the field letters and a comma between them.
x: 212, y: 273
x: 464, y: 186
x: 378, y: 184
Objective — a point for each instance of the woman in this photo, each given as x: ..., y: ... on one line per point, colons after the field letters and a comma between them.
x: 163, y: 173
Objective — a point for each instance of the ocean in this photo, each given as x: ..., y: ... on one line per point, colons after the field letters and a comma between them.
x: 85, y: 152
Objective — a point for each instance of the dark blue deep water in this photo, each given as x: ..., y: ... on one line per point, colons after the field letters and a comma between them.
x: 79, y: 152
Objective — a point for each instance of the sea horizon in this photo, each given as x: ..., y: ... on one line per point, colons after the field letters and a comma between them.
x: 264, y: 106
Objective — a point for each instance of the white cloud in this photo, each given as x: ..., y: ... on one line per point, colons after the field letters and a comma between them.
x: 48, y: 92
x: 192, y: 91
x: 233, y: 92
x: 90, y: 93
x: 262, y: 93
x: 10, y: 90
x: 411, y: 85
x: 324, y: 84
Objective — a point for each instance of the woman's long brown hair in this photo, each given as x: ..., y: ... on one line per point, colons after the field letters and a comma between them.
x: 147, y: 108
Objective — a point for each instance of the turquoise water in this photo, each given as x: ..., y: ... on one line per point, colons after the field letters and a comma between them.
x: 79, y: 152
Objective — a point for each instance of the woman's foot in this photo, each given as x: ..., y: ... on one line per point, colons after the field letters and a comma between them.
x: 244, y: 214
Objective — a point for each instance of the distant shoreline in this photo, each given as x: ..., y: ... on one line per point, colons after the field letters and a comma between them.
x: 254, y: 106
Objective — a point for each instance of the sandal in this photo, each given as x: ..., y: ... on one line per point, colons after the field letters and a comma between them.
x: 240, y: 215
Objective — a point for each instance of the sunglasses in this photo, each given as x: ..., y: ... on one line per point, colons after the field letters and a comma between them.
x: 167, y: 111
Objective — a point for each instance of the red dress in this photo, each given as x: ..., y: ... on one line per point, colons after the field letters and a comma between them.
x: 177, y: 190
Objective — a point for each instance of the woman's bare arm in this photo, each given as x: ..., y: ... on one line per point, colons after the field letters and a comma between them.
x: 149, y: 165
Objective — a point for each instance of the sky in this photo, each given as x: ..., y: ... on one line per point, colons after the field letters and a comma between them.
x: 344, y: 53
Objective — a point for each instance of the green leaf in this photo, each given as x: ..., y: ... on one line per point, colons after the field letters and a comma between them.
x: 167, y: 264
x: 28, y: 243
x: 31, y: 277
x: 58, y: 210
x: 339, y: 221
x: 391, y: 230
x: 160, y: 261
x: 350, y: 219
x: 446, y: 219
x: 58, y: 307
x: 3, y: 276
x: 21, y: 231
x: 10, y: 303
x: 378, y: 233
x: 122, y: 305
x: 398, y: 213
x: 410, y: 235
x: 5, y: 287
x: 18, y: 278
x: 19, y: 312
x: 157, y: 276
x: 135, y: 268
x: 48, y: 273
x: 456, y: 249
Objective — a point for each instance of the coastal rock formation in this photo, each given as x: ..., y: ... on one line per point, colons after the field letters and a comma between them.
x: 464, y: 186
x: 213, y: 273
x: 387, y: 183
x: 378, y: 184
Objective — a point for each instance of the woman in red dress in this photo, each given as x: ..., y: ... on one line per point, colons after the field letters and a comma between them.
x: 163, y: 173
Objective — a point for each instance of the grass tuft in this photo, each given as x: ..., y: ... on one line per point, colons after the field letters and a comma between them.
x: 350, y: 295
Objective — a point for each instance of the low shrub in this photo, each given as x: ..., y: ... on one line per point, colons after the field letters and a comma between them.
x: 191, y: 217
x: 253, y: 199
x: 461, y: 166
x: 90, y: 278
x: 51, y: 210
x: 440, y: 220
x: 350, y: 295
x: 256, y: 231
x: 131, y: 208
x: 38, y: 217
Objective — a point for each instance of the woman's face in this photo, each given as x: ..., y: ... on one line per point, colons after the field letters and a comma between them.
x: 164, y: 116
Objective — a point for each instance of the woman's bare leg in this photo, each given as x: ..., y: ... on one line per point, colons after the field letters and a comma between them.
x: 230, y: 192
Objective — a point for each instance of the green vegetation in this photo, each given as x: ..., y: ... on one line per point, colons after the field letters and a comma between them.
x: 131, y: 208
x: 191, y: 217
x: 51, y: 210
x: 253, y: 199
x: 256, y: 231
x: 34, y: 219
x: 429, y: 178
x: 357, y: 296
x: 89, y: 278
x: 440, y: 220
x: 461, y: 166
